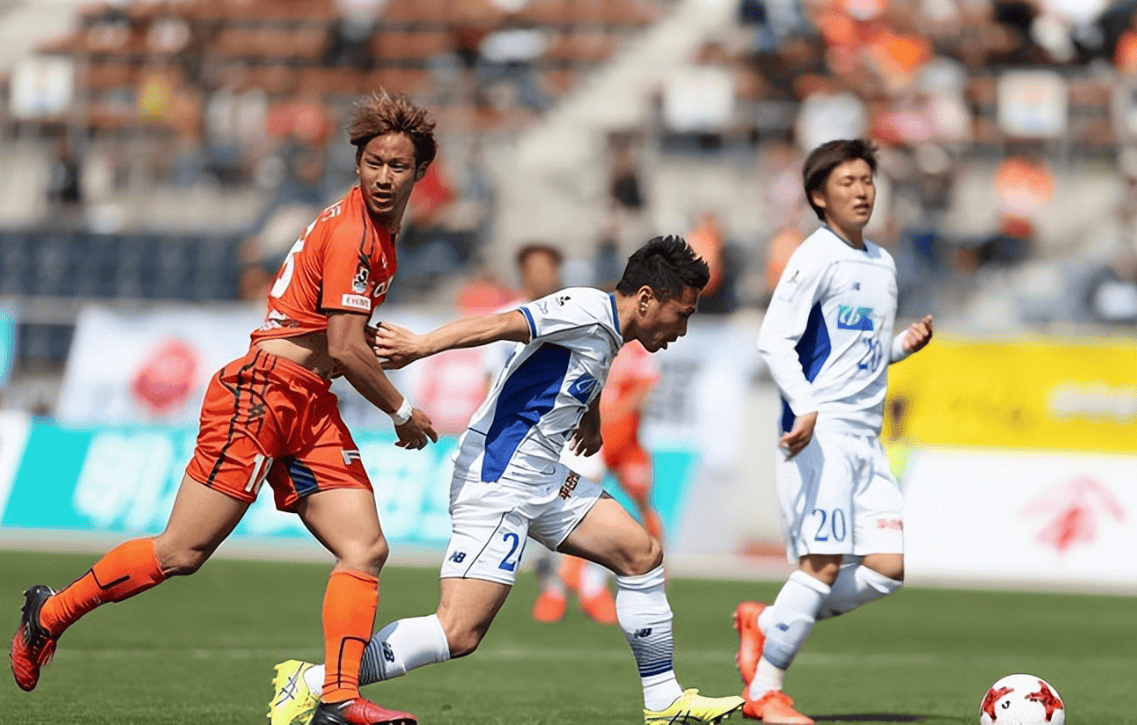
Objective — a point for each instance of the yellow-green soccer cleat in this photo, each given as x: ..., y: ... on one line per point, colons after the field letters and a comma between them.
x: 691, y: 708
x: 293, y: 703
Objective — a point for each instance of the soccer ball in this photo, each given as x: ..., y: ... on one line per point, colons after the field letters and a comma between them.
x: 1022, y: 700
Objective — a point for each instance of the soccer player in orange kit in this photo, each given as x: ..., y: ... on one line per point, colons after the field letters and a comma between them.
x: 270, y: 416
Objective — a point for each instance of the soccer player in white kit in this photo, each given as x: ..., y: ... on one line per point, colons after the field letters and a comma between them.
x: 827, y: 339
x: 509, y: 483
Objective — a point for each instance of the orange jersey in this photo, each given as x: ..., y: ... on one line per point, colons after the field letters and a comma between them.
x: 632, y: 368
x: 342, y: 261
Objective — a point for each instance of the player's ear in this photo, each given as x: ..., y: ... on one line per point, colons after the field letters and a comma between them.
x: 817, y: 196
x: 644, y: 295
x: 421, y: 171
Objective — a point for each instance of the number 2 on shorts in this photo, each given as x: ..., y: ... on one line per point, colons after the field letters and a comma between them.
x: 836, y: 527
x: 506, y: 564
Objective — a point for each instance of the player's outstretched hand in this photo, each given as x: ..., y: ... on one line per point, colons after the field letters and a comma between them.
x: 918, y: 335
x: 414, y: 433
x: 797, y: 439
x: 396, y: 346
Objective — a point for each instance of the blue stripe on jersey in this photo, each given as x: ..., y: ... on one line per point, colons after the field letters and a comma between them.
x: 615, y: 314
x: 302, y: 477
x: 812, y: 351
x: 528, y: 394
x: 532, y: 324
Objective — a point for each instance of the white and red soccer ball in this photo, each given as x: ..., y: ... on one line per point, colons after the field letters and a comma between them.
x: 1022, y: 700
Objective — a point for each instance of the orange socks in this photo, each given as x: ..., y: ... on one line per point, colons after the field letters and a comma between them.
x: 349, y: 618
x: 123, y: 572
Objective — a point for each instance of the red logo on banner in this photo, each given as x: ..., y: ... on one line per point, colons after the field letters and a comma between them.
x: 163, y: 383
x: 1073, y: 509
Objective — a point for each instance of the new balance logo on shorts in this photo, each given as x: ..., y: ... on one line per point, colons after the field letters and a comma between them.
x: 388, y: 653
x: 349, y: 456
x: 641, y: 633
x: 458, y: 557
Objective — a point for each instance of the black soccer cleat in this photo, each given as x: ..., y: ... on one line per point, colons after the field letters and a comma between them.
x: 32, y: 647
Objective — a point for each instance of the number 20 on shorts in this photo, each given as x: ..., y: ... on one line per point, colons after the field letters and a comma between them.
x: 830, y: 525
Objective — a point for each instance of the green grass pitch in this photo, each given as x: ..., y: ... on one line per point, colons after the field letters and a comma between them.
x: 200, y: 651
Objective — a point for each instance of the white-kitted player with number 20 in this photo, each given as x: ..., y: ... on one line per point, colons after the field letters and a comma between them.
x: 827, y: 340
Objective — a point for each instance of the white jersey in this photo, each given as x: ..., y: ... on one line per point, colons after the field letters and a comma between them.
x: 544, y: 389
x: 827, y: 336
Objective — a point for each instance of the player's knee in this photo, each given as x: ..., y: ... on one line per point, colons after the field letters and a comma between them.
x: 644, y: 559
x: 179, y: 561
x: 369, y: 557
x: 891, y: 566
x: 463, y: 643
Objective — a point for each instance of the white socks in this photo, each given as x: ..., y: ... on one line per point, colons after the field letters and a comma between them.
x: 788, y: 624
x: 802, y: 601
x: 395, y: 650
x: 856, y: 585
x: 645, y: 617
x: 402, y: 646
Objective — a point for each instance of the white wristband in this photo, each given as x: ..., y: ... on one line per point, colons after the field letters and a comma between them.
x: 403, y: 414
x: 898, y: 351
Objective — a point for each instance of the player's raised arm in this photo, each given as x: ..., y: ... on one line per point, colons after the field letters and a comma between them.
x: 348, y: 346
x: 399, y: 346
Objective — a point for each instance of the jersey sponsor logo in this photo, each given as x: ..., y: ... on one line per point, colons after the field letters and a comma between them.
x: 569, y: 486
x: 357, y: 301
x: 854, y: 318
x: 582, y: 387
x: 359, y: 282
x: 349, y: 456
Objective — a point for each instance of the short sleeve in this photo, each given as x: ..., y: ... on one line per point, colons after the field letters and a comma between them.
x: 559, y: 313
x: 346, y: 274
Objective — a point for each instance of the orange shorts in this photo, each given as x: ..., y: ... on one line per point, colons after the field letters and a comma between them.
x: 625, y: 456
x: 267, y: 418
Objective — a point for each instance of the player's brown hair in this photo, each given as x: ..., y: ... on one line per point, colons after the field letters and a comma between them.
x: 539, y: 248
x: 828, y: 156
x: 381, y: 113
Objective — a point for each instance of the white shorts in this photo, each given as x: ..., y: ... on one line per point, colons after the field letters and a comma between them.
x: 489, y: 522
x: 838, y: 496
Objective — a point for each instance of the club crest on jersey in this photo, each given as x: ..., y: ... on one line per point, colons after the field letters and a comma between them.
x: 854, y: 318
x: 582, y: 387
x: 359, y: 282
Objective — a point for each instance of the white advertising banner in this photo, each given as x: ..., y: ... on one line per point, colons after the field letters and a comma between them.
x: 1061, y: 520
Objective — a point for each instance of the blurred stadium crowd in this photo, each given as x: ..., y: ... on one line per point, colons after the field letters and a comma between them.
x: 172, y: 151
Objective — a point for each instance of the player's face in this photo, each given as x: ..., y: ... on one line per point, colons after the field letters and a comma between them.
x: 848, y: 195
x: 662, y: 323
x: 387, y: 174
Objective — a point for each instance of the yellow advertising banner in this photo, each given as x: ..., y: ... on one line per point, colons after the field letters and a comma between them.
x: 1056, y: 394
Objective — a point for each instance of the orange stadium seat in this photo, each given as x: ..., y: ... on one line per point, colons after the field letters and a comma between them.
x: 545, y: 12
x: 394, y: 45
x: 583, y: 47
x: 108, y: 75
